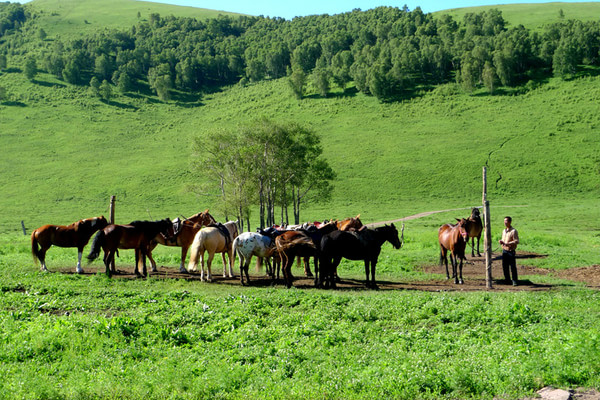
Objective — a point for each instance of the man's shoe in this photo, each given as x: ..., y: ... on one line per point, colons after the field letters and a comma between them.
x: 514, y: 283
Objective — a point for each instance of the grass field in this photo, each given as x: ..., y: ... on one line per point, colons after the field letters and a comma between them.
x: 64, y: 153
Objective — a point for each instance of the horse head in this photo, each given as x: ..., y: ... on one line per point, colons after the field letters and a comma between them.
x: 392, y: 236
x: 462, y: 227
x: 99, y: 222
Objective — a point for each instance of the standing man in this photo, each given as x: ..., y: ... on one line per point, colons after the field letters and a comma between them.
x: 509, y: 242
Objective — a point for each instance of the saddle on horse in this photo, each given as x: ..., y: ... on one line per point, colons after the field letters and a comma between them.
x: 224, y: 231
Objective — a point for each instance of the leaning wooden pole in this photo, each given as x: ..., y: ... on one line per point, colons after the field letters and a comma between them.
x: 487, y: 237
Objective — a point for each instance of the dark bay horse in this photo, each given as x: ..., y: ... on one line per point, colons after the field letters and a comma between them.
x: 453, y: 238
x: 77, y: 235
x: 360, y: 245
x: 474, y: 229
x: 136, y: 235
x: 292, y: 244
x: 183, y: 237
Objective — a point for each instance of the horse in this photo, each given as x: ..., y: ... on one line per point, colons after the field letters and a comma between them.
x: 183, y: 237
x: 260, y: 244
x: 291, y: 244
x: 474, y: 229
x: 213, y: 239
x: 453, y: 238
x: 360, y: 245
x: 136, y: 235
x: 77, y: 235
x: 316, y: 233
x: 349, y: 224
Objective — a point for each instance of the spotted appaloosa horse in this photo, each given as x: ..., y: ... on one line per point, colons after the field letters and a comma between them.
x: 474, y: 229
x: 136, y: 235
x: 211, y: 239
x: 183, y: 237
x: 453, y: 238
x: 250, y: 244
x: 77, y: 235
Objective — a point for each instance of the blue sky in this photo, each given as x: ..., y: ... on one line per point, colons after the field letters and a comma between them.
x: 289, y: 9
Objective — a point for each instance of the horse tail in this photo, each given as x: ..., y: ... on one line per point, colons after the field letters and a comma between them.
x: 96, y: 245
x: 35, y: 250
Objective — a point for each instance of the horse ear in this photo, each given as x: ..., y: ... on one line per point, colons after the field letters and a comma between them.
x: 458, y: 219
x: 358, y: 216
x: 206, y: 211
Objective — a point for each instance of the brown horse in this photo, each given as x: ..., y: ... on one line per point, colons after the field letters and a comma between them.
x: 136, y: 235
x: 349, y: 224
x: 474, y: 229
x: 183, y: 238
x: 213, y: 239
x: 453, y: 238
x: 77, y: 235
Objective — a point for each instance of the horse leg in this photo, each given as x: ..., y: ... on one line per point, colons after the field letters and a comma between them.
x: 231, y: 257
x: 472, y: 246
x: 316, y: 271
x: 367, y: 272
x: 478, y: 238
x: 373, y: 265
x: 137, y: 263
x: 42, y: 258
x: 444, y: 259
x: 184, y: 251
x: 209, y: 261
x: 307, y: 272
x: 287, y: 271
x: 460, y: 270
x: 107, y: 260
x: 79, y: 255
x: 152, y: 262
x: 454, y: 267
x: 143, y: 257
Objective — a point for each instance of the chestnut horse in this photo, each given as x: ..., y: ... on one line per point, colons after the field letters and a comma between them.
x: 364, y: 244
x: 77, y: 235
x: 348, y: 224
x: 453, y: 238
x: 213, y: 239
x: 183, y: 238
x: 474, y: 229
x: 136, y: 235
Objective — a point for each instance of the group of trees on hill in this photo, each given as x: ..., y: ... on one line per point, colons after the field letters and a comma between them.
x: 386, y: 52
x: 266, y: 164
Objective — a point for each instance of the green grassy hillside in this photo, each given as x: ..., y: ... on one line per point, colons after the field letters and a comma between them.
x: 73, y: 18
x: 534, y: 16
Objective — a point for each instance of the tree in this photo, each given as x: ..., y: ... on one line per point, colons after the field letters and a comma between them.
x: 103, y: 67
x: 30, y: 68
x: 489, y: 77
x: 95, y: 86
x: 105, y: 91
x: 320, y: 78
x: 3, y: 62
x: 297, y: 83
x: 72, y: 72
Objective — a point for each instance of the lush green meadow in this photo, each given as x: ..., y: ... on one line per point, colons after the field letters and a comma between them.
x: 65, y: 152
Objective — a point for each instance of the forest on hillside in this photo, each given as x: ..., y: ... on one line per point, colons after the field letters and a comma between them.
x: 386, y: 52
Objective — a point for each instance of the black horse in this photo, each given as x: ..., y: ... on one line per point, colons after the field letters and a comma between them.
x: 360, y: 245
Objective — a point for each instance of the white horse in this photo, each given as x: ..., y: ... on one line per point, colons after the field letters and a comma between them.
x: 250, y: 244
x: 213, y: 240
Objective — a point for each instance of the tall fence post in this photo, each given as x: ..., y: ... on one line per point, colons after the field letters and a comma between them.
x: 112, y: 209
x: 487, y: 241
x: 23, y: 226
x: 112, y: 221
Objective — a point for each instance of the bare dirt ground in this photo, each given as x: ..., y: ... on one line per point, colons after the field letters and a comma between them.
x: 473, y: 274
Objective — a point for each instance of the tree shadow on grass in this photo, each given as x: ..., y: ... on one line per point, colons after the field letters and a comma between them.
x: 48, y: 84
x: 13, y: 104
x: 119, y: 105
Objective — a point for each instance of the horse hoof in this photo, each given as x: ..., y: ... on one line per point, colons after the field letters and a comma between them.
x: 461, y: 282
x: 183, y: 271
x: 79, y: 271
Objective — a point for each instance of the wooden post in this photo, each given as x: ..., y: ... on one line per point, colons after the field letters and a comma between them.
x: 112, y: 221
x: 112, y: 209
x: 23, y: 226
x: 487, y: 238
